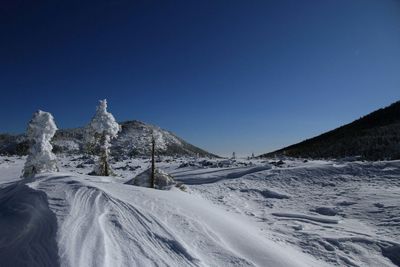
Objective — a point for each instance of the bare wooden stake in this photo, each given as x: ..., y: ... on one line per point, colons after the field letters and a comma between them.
x: 153, y: 167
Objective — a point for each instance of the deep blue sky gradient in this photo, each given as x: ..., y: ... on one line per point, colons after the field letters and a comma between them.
x: 244, y: 76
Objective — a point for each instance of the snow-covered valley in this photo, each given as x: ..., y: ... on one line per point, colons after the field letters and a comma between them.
x: 231, y: 213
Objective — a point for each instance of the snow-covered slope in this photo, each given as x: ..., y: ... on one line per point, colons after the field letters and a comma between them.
x: 133, y: 140
x: 375, y: 136
x: 345, y: 213
x: 316, y: 213
x: 102, y: 222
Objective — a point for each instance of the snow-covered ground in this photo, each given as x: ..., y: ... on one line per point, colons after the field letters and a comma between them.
x: 243, y: 213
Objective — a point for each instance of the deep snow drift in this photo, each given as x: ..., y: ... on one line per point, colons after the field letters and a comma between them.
x: 247, y: 213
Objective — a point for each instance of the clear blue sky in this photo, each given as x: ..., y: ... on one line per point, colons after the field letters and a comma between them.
x: 244, y: 76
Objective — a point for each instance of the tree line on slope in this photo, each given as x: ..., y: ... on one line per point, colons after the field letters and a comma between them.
x: 373, y: 137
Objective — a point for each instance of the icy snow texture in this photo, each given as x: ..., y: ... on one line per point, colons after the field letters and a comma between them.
x: 41, y: 130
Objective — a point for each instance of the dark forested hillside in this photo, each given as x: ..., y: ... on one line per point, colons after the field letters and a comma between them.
x: 375, y: 136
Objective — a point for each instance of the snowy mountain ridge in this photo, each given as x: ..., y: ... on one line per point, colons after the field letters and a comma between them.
x: 133, y: 140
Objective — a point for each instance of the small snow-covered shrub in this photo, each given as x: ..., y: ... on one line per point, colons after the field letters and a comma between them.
x: 41, y: 130
x: 162, y: 180
x: 98, y: 134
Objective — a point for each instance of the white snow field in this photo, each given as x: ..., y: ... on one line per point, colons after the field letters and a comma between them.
x: 242, y: 213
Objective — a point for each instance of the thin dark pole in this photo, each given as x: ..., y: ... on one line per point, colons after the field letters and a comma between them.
x: 153, y: 167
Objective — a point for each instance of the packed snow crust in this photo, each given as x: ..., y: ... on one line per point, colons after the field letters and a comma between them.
x: 246, y: 213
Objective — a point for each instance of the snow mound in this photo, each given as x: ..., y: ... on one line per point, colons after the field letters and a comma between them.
x: 162, y: 180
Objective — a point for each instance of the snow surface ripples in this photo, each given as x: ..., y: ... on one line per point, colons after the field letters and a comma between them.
x: 103, y: 223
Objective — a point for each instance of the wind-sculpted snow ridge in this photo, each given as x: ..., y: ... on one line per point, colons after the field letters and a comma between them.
x: 306, y: 217
x: 27, y: 228
x: 211, y: 176
x: 104, y: 223
x: 109, y: 232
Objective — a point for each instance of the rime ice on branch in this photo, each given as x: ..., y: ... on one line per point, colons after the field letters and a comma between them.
x: 41, y: 130
x: 101, y: 129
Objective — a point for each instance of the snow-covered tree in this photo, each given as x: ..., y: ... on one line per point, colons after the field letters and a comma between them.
x: 99, y: 133
x: 41, y: 130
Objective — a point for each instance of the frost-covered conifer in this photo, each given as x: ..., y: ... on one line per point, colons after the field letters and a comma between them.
x: 101, y: 129
x: 41, y: 130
